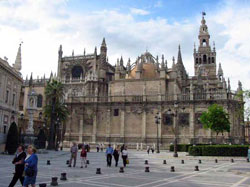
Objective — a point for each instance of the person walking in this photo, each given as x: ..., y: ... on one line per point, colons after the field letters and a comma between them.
x: 124, y: 156
x: 97, y: 148
x: 102, y: 147
x: 73, y: 151
x: 148, y: 149
x: 152, y: 149
x: 109, y: 152
x: 116, y: 155
x: 18, y: 161
x: 30, y: 169
x: 83, y: 156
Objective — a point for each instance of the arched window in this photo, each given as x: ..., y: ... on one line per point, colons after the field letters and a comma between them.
x: 204, y: 59
x: 209, y: 60
x: 77, y: 71
x: 196, y: 61
x: 212, y: 60
x: 204, y: 42
x: 39, y: 101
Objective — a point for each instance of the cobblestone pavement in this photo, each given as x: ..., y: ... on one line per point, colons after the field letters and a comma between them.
x: 223, y: 173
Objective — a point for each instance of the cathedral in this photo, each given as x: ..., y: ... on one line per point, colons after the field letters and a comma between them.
x: 120, y: 104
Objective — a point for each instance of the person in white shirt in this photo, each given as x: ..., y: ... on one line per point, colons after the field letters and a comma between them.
x: 124, y: 156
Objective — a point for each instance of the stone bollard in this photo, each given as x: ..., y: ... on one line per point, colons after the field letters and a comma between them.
x: 164, y: 162
x: 98, y: 171
x: 63, y: 177
x: 182, y: 161
x: 54, y: 181
x: 42, y: 185
x: 147, y: 169
x: 247, y: 159
x: 232, y: 160
x: 67, y: 162
x: 216, y: 161
x: 48, y: 162
x: 196, y: 168
x: 121, y: 170
x: 172, y: 169
x: 146, y: 161
x: 87, y: 161
x: 199, y: 161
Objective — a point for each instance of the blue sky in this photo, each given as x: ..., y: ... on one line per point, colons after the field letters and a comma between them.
x: 130, y: 27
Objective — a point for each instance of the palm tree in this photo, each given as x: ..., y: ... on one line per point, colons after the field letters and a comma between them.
x: 55, y: 109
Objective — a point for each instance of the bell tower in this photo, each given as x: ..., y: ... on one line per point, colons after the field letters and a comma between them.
x: 205, y: 57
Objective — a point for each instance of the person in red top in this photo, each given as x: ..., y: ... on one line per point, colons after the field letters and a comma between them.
x: 83, y: 156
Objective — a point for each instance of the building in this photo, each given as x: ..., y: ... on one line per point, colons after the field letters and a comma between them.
x: 10, y: 87
x: 119, y: 103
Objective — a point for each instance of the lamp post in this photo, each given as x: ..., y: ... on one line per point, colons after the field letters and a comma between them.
x: 157, y: 121
x: 175, y: 115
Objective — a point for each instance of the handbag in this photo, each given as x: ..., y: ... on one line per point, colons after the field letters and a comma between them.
x: 29, y: 172
x: 127, y: 161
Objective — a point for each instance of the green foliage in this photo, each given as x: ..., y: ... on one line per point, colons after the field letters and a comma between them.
x: 180, y: 147
x: 216, y: 119
x: 12, y: 139
x: 218, y: 150
x: 54, y: 90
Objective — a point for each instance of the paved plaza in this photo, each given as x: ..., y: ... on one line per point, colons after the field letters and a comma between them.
x: 223, y: 173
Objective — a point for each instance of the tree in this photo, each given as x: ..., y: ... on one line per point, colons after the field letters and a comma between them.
x: 55, y: 109
x: 216, y: 119
x: 12, y: 139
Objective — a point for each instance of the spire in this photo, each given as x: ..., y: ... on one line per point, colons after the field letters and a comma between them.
x: 166, y: 64
x: 60, y: 52
x: 128, y: 65
x: 104, y: 42
x: 18, y: 62
x: 162, y: 63
x: 95, y: 52
x: 220, y: 71
x: 239, y: 86
x: 121, y: 61
x: 157, y: 62
x: 173, y: 63
x: 117, y: 65
x: 31, y: 80
x: 228, y: 85
x: 179, y: 59
x: 73, y: 52
x: 84, y: 52
x: 194, y: 48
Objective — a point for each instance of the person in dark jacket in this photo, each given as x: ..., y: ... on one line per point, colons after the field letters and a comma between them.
x: 116, y: 156
x: 19, y: 166
x: 30, y: 169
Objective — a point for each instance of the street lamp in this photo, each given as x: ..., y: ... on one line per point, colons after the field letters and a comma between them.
x: 157, y: 121
x: 175, y: 115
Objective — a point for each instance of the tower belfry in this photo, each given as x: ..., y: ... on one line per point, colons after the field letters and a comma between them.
x: 204, y: 57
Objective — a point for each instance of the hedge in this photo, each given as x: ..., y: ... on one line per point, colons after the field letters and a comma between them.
x: 182, y: 147
x: 218, y: 150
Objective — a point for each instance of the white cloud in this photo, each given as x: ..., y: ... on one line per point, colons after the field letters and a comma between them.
x: 43, y: 26
x: 137, y: 11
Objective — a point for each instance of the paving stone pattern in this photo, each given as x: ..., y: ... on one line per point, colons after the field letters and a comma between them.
x: 223, y: 173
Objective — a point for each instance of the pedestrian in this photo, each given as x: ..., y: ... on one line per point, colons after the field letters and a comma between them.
x: 97, y: 148
x: 83, y: 156
x: 122, y: 147
x: 116, y: 155
x: 152, y: 149
x: 109, y: 152
x: 125, y: 156
x: 102, y: 147
x: 73, y: 151
x: 18, y: 161
x: 148, y: 149
x: 30, y: 167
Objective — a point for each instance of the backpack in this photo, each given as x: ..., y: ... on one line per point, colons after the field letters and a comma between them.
x: 83, y: 153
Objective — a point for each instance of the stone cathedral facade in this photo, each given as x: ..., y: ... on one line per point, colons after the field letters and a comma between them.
x: 118, y: 104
